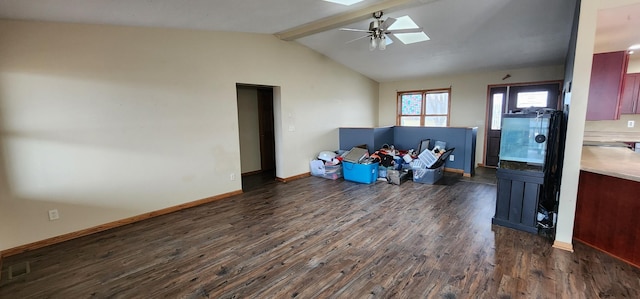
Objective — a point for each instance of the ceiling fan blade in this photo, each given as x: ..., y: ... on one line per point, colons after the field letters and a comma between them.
x: 391, y: 39
x: 354, y: 30
x: 399, y: 31
x: 359, y: 38
x: 388, y: 22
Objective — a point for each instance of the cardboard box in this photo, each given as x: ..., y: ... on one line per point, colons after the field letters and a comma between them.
x: 428, y: 176
x: 360, y: 173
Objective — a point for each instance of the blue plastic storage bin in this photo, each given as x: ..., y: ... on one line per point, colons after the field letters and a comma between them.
x: 360, y: 173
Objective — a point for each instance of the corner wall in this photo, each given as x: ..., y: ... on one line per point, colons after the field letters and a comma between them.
x: 105, y: 122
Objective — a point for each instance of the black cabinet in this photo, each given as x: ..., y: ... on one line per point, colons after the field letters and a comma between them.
x: 528, y: 171
x: 517, y: 200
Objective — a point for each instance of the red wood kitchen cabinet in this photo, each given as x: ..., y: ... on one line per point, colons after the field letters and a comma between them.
x: 607, y: 74
x: 631, y: 94
x: 607, y: 215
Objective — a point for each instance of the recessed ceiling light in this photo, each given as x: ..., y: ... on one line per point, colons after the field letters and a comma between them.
x: 344, y: 2
x: 406, y: 22
x: 635, y: 47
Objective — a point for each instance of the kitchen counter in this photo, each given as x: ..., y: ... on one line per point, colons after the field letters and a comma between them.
x: 595, y: 136
x: 617, y: 162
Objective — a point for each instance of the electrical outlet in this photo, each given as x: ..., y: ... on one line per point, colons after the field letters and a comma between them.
x: 54, y: 215
x: 451, y: 158
x: 631, y: 124
x: 232, y: 177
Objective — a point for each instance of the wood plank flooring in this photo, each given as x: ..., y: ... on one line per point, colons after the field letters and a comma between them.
x: 317, y: 238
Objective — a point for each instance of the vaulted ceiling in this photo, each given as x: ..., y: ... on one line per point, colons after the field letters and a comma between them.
x: 466, y: 36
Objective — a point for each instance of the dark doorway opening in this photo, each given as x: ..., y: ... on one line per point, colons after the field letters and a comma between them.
x: 507, y: 98
x: 257, y: 135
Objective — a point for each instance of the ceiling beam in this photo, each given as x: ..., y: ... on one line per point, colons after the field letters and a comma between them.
x: 344, y: 19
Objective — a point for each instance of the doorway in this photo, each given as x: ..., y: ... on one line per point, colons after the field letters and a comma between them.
x: 257, y: 135
x: 509, y: 98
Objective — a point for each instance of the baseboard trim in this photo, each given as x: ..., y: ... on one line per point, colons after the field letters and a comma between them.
x: 454, y: 170
x: 486, y: 166
x: 563, y: 245
x: 293, y: 178
x: 110, y: 225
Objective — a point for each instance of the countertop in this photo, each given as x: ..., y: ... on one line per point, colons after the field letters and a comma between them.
x: 595, y: 136
x: 617, y: 162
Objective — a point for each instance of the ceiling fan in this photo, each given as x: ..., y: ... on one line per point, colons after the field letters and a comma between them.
x: 379, y: 32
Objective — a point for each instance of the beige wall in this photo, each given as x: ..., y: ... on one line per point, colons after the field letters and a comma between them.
x: 468, y: 95
x: 249, y: 129
x: 634, y: 63
x: 105, y: 122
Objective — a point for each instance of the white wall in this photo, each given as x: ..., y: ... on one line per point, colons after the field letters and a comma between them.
x: 106, y: 122
x: 634, y: 63
x: 250, y: 159
x: 468, y: 95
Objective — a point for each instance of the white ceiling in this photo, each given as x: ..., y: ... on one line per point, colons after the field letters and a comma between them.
x: 466, y: 35
x: 617, y: 28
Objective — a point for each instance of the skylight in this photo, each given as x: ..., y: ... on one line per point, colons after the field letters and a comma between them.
x: 344, y: 2
x: 406, y: 22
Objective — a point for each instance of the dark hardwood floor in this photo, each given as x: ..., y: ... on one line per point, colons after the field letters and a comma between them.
x: 258, y: 180
x: 318, y: 238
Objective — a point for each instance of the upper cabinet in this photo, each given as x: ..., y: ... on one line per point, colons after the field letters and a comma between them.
x: 605, y: 91
x: 631, y: 94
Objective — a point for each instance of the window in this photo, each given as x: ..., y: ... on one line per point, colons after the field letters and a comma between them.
x: 424, y: 108
x: 496, y: 110
x: 532, y: 99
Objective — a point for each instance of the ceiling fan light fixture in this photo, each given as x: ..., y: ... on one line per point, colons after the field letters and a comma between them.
x: 404, y: 28
x: 373, y: 43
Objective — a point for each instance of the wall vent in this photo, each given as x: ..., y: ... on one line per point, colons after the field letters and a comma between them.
x: 14, y: 272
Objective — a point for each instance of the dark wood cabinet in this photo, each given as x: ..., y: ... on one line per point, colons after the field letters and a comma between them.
x: 607, y: 74
x: 631, y: 94
x: 517, y: 199
x: 607, y: 212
